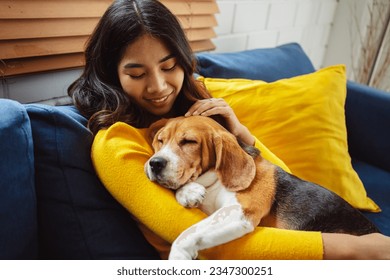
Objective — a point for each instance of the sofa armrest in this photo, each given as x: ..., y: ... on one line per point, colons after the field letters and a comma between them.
x: 368, y: 124
x: 18, y: 207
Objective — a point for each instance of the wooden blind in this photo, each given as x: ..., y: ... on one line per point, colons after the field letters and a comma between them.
x: 46, y: 35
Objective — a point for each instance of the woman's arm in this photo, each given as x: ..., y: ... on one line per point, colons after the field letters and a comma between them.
x: 119, y: 154
x: 366, y: 247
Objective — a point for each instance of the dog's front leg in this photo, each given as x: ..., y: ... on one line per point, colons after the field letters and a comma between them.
x: 226, y: 224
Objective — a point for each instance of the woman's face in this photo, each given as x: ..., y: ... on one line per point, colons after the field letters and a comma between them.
x: 150, y: 75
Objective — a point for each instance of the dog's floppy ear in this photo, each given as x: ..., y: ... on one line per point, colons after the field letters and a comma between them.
x: 154, y: 128
x: 250, y: 150
x: 235, y: 168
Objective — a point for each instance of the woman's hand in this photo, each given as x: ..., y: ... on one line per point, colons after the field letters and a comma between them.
x: 218, y: 106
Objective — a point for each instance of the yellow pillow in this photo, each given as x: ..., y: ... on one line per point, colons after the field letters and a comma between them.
x: 302, y: 121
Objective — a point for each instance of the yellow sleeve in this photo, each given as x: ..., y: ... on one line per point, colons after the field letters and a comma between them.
x: 119, y: 154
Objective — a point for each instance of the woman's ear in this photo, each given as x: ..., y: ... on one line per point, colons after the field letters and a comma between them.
x: 235, y: 168
x: 154, y: 128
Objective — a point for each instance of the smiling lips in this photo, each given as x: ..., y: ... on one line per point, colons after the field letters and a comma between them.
x: 159, y: 100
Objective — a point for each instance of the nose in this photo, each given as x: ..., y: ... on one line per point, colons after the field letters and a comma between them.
x: 156, y: 83
x: 157, y: 164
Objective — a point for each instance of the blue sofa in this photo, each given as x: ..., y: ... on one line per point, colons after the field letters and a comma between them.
x: 52, y: 205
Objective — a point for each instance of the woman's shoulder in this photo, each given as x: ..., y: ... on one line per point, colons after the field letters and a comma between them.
x: 121, y: 129
x: 120, y: 135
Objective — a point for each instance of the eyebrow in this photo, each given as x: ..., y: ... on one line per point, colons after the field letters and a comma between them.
x: 138, y: 65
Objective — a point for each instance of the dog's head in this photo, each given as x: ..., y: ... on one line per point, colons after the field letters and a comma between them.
x: 186, y: 147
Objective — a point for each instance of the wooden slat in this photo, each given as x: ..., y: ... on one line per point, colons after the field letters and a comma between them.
x: 200, y: 34
x: 11, y: 49
x: 204, y: 45
x: 200, y: 8
x: 197, y: 21
x: 22, y: 9
x: 41, y: 64
x: 41, y: 47
x: 11, y: 9
x: 41, y: 28
x: 14, y: 67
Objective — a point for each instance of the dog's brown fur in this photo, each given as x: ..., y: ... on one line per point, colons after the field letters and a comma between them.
x: 269, y: 196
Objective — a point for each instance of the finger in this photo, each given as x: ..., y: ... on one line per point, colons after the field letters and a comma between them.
x: 214, y: 111
x: 193, y: 108
x: 197, y: 107
x: 202, y: 106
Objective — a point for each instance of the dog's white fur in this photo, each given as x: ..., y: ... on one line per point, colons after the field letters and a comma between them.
x: 226, y: 220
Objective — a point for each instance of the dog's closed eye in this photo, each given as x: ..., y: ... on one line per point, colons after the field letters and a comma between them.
x: 187, y: 141
x: 160, y: 140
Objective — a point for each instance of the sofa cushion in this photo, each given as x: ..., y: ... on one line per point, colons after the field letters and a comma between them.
x: 377, y: 182
x: 302, y: 121
x: 78, y: 218
x: 268, y: 64
x: 368, y: 138
x: 18, y: 220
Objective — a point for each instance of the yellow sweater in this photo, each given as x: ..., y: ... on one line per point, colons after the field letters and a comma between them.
x: 119, y: 154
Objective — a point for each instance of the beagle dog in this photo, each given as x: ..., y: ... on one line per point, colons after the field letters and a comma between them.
x: 239, y: 190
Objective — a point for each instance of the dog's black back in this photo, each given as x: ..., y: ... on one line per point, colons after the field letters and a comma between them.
x: 306, y: 206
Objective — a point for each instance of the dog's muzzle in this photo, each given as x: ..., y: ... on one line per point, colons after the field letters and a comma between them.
x: 157, y: 164
x: 157, y: 170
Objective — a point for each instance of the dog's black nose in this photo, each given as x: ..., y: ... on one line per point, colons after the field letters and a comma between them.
x: 157, y: 164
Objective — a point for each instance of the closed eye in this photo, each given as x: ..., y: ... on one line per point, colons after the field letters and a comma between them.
x: 187, y: 142
x: 170, y: 68
x: 160, y: 140
x: 137, y: 77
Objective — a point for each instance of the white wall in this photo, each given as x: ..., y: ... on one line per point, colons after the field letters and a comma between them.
x: 242, y: 24
x: 348, y: 31
x: 245, y: 24
x: 345, y: 37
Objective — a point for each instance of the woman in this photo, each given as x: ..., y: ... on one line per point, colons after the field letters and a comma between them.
x: 139, y: 68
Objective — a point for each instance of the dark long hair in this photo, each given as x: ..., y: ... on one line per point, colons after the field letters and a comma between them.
x: 98, y: 94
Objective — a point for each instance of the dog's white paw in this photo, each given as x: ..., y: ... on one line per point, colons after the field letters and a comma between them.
x: 191, y: 195
x: 178, y: 253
